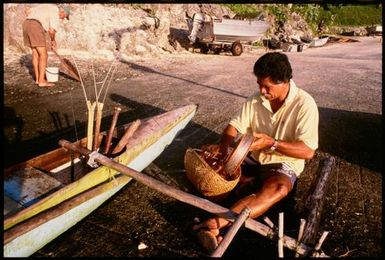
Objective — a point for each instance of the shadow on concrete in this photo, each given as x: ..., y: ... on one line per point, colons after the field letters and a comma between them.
x: 353, y: 136
x: 150, y: 70
x: 26, y: 61
x: 16, y: 151
x: 12, y: 127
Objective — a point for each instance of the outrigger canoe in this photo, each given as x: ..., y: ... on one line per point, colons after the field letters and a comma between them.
x: 45, y: 196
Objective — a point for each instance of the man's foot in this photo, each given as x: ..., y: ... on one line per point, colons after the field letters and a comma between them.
x: 208, y: 234
x: 46, y: 84
x: 207, y: 240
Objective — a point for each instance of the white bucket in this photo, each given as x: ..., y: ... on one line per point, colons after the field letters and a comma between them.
x: 52, y: 74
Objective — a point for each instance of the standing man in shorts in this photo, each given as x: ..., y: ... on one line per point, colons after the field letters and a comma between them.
x: 42, y: 19
x: 284, y: 121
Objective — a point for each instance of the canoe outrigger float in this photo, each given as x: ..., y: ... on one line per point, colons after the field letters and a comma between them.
x: 48, y: 194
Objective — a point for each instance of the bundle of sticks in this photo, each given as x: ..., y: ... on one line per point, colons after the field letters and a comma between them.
x: 94, y: 119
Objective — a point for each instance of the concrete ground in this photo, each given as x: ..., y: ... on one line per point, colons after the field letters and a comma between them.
x: 345, y: 79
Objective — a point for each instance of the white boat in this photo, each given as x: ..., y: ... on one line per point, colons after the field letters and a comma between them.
x: 319, y: 42
x: 41, y: 201
x: 224, y: 34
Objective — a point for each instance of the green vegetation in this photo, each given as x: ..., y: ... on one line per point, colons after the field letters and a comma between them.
x: 314, y: 14
x: 361, y: 15
x: 280, y: 11
x: 248, y: 11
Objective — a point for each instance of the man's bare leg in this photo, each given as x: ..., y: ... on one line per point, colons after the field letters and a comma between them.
x: 273, y: 190
x: 35, y: 64
x: 43, y: 59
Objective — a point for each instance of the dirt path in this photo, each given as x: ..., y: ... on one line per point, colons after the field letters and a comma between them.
x: 345, y: 80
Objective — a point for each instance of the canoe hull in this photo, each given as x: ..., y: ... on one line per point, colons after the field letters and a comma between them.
x: 20, y: 241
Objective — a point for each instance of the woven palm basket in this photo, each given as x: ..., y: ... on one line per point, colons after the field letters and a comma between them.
x: 205, y: 179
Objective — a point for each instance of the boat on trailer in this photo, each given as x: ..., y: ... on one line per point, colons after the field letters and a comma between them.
x: 46, y: 195
x: 227, y: 35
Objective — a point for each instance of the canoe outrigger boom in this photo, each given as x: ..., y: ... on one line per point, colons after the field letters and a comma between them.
x: 291, y: 243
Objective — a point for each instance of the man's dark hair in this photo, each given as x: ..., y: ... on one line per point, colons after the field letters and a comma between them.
x: 273, y: 64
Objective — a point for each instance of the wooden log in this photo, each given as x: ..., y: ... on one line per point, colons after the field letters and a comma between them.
x: 185, y: 197
x: 231, y: 233
x: 315, y: 201
x: 111, y: 131
x: 129, y: 132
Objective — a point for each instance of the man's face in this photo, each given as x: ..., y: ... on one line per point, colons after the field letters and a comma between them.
x: 271, y: 90
x: 62, y: 14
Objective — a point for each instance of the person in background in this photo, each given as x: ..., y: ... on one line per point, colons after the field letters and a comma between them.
x: 43, y: 19
x: 284, y: 122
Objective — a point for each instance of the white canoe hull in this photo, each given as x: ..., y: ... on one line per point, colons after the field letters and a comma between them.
x: 27, y: 243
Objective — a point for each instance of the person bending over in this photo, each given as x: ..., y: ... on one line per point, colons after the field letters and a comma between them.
x: 42, y: 19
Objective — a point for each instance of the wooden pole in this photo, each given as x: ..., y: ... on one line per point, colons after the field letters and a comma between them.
x: 129, y: 132
x: 231, y: 233
x: 268, y: 222
x: 317, y: 252
x: 280, y: 235
x: 185, y: 197
x: 111, y: 131
x: 98, y: 122
x: 321, y: 240
x: 90, y: 125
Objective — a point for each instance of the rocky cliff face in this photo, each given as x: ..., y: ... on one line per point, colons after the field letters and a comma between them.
x: 145, y: 30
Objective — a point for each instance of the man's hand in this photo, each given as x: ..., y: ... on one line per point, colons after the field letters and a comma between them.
x: 53, y: 44
x: 262, y: 141
x: 214, y: 149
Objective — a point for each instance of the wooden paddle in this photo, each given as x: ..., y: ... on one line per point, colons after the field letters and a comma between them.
x: 70, y: 69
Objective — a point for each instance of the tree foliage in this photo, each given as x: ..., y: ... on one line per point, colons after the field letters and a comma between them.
x: 314, y: 14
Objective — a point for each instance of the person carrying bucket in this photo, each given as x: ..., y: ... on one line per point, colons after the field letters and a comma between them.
x: 42, y: 19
